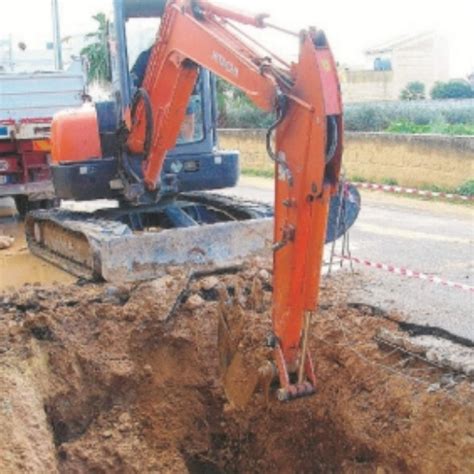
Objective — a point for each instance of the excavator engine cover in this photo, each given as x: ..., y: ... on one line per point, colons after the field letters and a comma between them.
x: 75, y: 136
x: 84, y: 152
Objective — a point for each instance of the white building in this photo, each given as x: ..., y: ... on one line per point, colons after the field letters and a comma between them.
x: 423, y: 57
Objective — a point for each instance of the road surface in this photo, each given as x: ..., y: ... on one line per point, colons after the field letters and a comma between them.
x: 432, y: 237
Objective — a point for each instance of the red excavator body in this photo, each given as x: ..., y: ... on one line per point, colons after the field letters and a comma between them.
x: 305, y: 142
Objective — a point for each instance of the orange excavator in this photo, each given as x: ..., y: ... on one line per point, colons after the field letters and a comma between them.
x: 307, y: 102
x: 305, y: 142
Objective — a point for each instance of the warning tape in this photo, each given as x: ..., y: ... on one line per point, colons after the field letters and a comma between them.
x: 409, y: 273
x: 418, y: 192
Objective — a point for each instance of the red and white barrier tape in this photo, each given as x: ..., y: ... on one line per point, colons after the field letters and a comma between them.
x: 418, y: 192
x: 410, y: 273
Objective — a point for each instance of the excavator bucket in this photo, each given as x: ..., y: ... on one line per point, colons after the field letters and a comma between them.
x: 240, y: 381
x: 240, y: 375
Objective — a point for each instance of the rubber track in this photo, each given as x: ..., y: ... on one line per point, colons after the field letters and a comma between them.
x: 238, y: 207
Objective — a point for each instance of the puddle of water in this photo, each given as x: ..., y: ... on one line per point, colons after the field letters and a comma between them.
x: 21, y: 268
x: 17, y: 265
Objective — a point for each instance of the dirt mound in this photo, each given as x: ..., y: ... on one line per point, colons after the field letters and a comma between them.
x: 98, y: 378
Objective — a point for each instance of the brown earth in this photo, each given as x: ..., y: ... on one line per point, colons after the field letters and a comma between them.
x: 95, y: 378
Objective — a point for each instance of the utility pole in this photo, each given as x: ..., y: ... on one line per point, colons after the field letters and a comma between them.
x: 7, y: 60
x: 58, y: 56
x: 10, y: 53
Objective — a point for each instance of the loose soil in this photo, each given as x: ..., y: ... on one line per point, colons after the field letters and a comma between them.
x: 95, y: 378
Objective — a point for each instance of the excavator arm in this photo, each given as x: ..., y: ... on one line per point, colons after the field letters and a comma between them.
x: 307, y: 148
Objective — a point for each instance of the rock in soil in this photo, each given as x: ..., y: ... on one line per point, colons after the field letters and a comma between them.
x: 6, y: 242
x: 97, y: 379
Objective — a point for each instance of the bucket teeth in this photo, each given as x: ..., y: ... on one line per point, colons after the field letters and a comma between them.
x: 295, y: 391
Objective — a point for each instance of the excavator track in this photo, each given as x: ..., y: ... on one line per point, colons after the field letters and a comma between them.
x: 198, y: 230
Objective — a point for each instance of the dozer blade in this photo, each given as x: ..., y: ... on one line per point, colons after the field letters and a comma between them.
x: 98, y: 249
x: 100, y: 246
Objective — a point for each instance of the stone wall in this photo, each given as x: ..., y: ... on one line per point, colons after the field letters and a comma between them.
x: 367, y: 86
x: 410, y: 160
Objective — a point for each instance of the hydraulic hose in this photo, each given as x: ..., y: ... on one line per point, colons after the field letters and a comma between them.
x: 142, y: 94
x: 281, y: 108
x: 332, y: 137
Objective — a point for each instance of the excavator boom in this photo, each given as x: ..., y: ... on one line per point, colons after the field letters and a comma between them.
x: 308, y: 145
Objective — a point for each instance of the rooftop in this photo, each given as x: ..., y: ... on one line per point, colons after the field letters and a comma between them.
x: 399, y: 42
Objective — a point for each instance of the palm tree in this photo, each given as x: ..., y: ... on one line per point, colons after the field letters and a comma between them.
x: 96, y: 52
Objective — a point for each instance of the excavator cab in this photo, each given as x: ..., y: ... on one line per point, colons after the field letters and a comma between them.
x: 94, y: 171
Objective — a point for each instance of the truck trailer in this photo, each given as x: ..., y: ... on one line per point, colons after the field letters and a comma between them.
x: 28, y: 101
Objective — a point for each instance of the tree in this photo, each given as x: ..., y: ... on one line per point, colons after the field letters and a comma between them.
x: 454, y: 89
x: 236, y: 110
x: 96, y: 52
x: 413, y: 91
x: 224, y: 95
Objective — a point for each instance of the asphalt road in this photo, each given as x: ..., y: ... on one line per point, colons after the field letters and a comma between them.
x: 432, y: 237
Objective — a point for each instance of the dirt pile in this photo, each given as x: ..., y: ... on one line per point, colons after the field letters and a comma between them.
x: 97, y: 378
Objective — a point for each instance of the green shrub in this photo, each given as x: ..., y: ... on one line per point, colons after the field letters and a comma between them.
x: 428, y: 116
x: 441, y: 128
x: 237, y: 111
x: 390, y: 181
x: 366, y: 118
x: 455, y: 89
x: 261, y: 173
x: 380, y: 116
x: 467, y: 189
x: 413, y: 91
x: 358, y: 179
x: 246, y: 115
x: 459, y: 116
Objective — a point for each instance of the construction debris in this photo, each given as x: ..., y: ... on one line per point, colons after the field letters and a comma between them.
x: 6, y: 242
x: 441, y: 352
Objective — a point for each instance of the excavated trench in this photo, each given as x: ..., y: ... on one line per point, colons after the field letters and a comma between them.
x: 97, y: 378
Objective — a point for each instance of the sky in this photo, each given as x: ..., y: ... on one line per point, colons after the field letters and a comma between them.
x: 351, y: 26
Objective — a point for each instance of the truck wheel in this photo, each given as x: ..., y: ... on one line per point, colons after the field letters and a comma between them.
x: 22, y: 205
x: 48, y: 203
